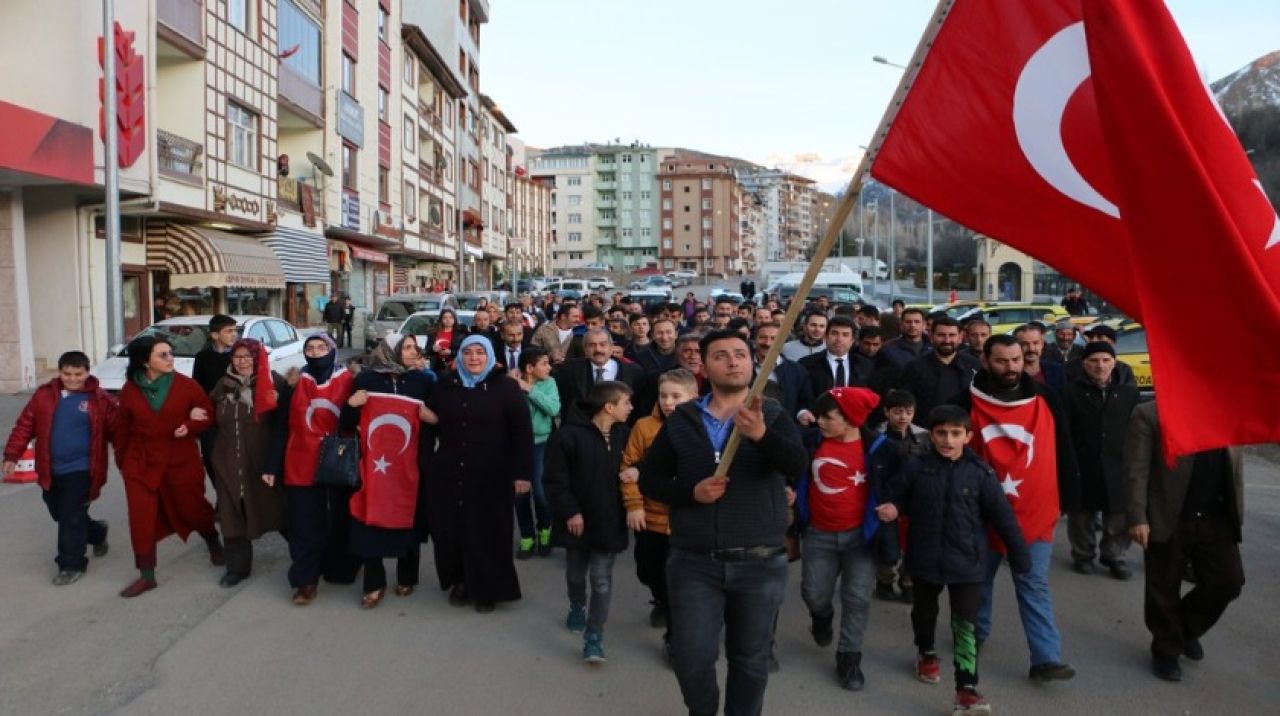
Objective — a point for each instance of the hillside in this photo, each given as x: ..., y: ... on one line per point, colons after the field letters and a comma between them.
x: 1250, y: 97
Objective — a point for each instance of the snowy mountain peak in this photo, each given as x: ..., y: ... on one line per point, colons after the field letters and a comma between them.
x: 1252, y: 87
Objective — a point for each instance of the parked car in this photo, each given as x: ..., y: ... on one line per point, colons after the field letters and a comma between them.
x: 423, y: 323
x: 392, y: 310
x: 1005, y: 317
x: 190, y: 334
x: 600, y: 283
x: 734, y: 296
x: 682, y: 277
x: 649, y: 298
x: 1131, y: 348
x: 836, y: 295
x: 468, y: 300
x: 598, y: 266
x: 652, y: 283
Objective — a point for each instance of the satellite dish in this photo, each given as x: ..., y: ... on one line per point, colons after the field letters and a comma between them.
x: 321, y: 165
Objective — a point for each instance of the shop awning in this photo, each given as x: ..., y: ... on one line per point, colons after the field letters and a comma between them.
x: 304, y: 256
x: 198, y: 257
x: 473, y: 251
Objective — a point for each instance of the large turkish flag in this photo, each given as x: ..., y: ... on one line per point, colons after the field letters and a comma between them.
x: 313, y: 414
x: 1017, y: 439
x: 388, y: 494
x: 1080, y: 132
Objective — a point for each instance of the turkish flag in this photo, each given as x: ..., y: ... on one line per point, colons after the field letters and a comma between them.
x: 313, y: 414
x: 1080, y: 132
x: 1017, y: 439
x: 388, y: 494
x: 264, y: 386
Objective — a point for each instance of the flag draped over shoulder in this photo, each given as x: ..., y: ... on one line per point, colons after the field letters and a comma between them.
x: 388, y: 494
x: 1080, y: 132
x: 1017, y: 438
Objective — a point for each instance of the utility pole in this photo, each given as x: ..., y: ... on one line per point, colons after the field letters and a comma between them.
x: 893, y: 249
x: 928, y: 281
x: 111, y: 178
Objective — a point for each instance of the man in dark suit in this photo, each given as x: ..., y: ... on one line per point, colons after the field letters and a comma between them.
x: 576, y: 376
x: 515, y: 339
x: 788, y: 382
x: 838, y: 365
x: 1188, y: 514
x: 482, y: 325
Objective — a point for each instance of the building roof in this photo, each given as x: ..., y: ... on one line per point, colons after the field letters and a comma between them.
x: 497, y: 113
x: 441, y: 70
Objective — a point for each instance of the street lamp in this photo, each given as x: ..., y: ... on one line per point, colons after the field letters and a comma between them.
x: 883, y: 61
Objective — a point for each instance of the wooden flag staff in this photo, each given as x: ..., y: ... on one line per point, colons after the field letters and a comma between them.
x: 823, y: 249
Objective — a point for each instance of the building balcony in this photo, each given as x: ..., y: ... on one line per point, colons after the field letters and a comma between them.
x: 427, y: 112
x: 606, y: 222
x: 606, y: 203
x: 300, y: 197
x: 179, y: 158
x: 430, y: 173
x: 181, y: 24
x: 606, y: 185
x: 301, y: 95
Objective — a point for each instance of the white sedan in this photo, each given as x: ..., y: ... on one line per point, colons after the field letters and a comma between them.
x: 190, y: 334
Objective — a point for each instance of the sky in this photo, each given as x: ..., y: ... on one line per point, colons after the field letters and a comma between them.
x: 787, y: 83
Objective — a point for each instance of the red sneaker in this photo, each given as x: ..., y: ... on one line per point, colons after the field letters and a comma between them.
x: 928, y: 668
x: 969, y: 701
x: 139, y: 586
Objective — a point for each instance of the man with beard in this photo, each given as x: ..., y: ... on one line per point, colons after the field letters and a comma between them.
x: 555, y: 336
x: 1064, y: 347
x: 976, y: 333
x: 689, y: 357
x: 482, y: 325
x: 788, y: 382
x: 1098, y: 409
x: 811, y: 340
x: 727, y: 569
x: 514, y: 342
x: 575, y: 378
x: 1031, y: 339
x: 725, y: 310
x: 941, y: 376
x: 911, y: 344
x: 1008, y: 403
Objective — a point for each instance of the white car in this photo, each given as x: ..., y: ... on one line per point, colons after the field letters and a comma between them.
x: 422, y: 324
x: 600, y: 283
x: 682, y: 278
x: 190, y: 334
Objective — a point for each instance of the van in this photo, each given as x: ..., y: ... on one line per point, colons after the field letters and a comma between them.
x: 848, y: 280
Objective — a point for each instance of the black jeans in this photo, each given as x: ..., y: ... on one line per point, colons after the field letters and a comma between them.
x: 375, y: 573
x: 651, y: 563
x: 319, y: 523
x: 965, y: 601
x: 68, y: 502
x: 744, y: 598
x: 1209, y: 544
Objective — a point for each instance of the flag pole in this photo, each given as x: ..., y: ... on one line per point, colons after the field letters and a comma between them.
x: 847, y: 202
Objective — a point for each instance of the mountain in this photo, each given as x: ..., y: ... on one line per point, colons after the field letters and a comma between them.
x: 1250, y: 97
x: 832, y: 174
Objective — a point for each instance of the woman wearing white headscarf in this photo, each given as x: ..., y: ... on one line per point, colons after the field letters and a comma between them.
x: 482, y: 460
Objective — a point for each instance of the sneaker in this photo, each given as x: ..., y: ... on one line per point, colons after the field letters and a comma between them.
x: 100, y: 549
x: 658, y: 615
x: 1083, y: 566
x: 576, y: 621
x: 1052, y: 672
x: 969, y: 701
x: 849, y: 670
x: 1166, y: 667
x: 928, y: 668
x: 884, y: 590
x: 820, y: 628
x: 593, y: 648
x: 1192, y: 649
x: 526, y: 548
x: 67, y: 576
x: 1120, y: 570
x: 544, y: 542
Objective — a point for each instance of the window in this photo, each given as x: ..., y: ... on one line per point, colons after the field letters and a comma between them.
x: 645, y: 232
x: 626, y: 158
x: 686, y: 189
x: 575, y: 200
x: 242, y: 137
x: 666, y: 224
x: 626, y: 196
x: 382, y: 23
x: 297, y: 29
x: 349, y: 166
x: 686, y: 208
x: 409, y: 200
x: 410, y: 124
x: 666, y: 205
x: 408, y: 68
x: 666, y: 244
x: 282, y: 334
x: 687, y: 227
x: 239, y: 14
x: 706, y: 185
x: 626, y: 233
x: 706, y: 223
x: 644, y: 196
x: 575, y: 236
x: 666, y: 185
x: 384, y: 98
x: 348, y: 75
x: 574, y: 181
x: 575, y: 218
x: 384, y: 188
x: 706, y: 205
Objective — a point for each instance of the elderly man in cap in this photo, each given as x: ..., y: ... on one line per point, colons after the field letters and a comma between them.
x: 1098, y: 409
x: 1064, y: 347
x: 1123, y: 373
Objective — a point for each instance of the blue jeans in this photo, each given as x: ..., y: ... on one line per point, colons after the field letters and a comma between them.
x: 535, y: 498
x: 744, y: 598
x: 846, y: 557
x: 1035, y: 605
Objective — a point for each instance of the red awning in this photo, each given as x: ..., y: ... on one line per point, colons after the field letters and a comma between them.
x: 471, y: 219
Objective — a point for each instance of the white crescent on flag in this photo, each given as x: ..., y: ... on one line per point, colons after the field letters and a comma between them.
x: 323, y: 404
x: 817, y: 478
x: 394, y: 420
x: 1013, y: 432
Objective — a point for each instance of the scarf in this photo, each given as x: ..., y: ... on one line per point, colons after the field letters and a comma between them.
x: 240, y: 387
x: 261, y: 388
x: 386, y: 359
x: 470, y: 380
x: 155, y: 391
x: 322, y: 368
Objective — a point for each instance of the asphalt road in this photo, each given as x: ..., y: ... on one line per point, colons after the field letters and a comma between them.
x: 191, y: 647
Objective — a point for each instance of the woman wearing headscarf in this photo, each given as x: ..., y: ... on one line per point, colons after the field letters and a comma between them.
x: 483, y: 458
x: 443, y: 343
x: 161, y: 412
x: 318, y: 516
x: 250, y: 503
x: 394, y: 371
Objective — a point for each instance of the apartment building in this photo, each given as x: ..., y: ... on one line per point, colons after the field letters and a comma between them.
x: 700, y: 208
x: 496, y: 200
x: 568, y: 173
x: 529, y: 242
x: 787, y: 203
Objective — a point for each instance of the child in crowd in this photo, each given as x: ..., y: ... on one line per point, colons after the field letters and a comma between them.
x: 911, y: 440
x: 836, y: 505
x: 584, y: 492
x: 544, y: 406
x: 952, y: 497
x: 71, y: 420
x: 649, y: 518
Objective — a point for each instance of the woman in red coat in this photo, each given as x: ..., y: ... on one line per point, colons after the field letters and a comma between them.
x: 161, y: 412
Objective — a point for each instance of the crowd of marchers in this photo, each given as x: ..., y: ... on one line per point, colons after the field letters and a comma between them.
x: 896, y: 455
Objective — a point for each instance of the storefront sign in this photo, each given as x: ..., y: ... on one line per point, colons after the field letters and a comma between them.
x: 350, y: 119
x: 364, y: 254
x: 350, y: 212
x: 225, y: 202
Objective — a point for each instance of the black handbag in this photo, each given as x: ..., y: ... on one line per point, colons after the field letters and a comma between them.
x: 339, y: 462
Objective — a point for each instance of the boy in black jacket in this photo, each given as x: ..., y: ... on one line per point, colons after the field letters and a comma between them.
x: 585, y: 496
x: 951, y: 496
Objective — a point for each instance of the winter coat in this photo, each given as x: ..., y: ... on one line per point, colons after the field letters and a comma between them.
x: 1099, y: 419
x: 36, y: 421
x: 581, y: 477
x: 753, y: 510
x: 921, y: 378
x: 950, y: 504
x: 656, y: 515
x: 544, y: 408
x: 240, y: 454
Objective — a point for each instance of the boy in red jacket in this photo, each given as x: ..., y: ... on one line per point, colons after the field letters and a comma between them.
x: 72, y: 420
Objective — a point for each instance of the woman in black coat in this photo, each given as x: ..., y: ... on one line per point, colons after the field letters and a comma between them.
x: 393, y: 371
x: 482, y: 460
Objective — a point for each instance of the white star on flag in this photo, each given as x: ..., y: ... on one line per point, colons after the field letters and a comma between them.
x: 381, y: 464
x: 1010, y: 485
x: 859, y: 477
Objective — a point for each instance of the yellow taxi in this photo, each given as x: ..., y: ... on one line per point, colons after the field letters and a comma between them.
x: 1131, y: 348
x: 1004, y: 317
